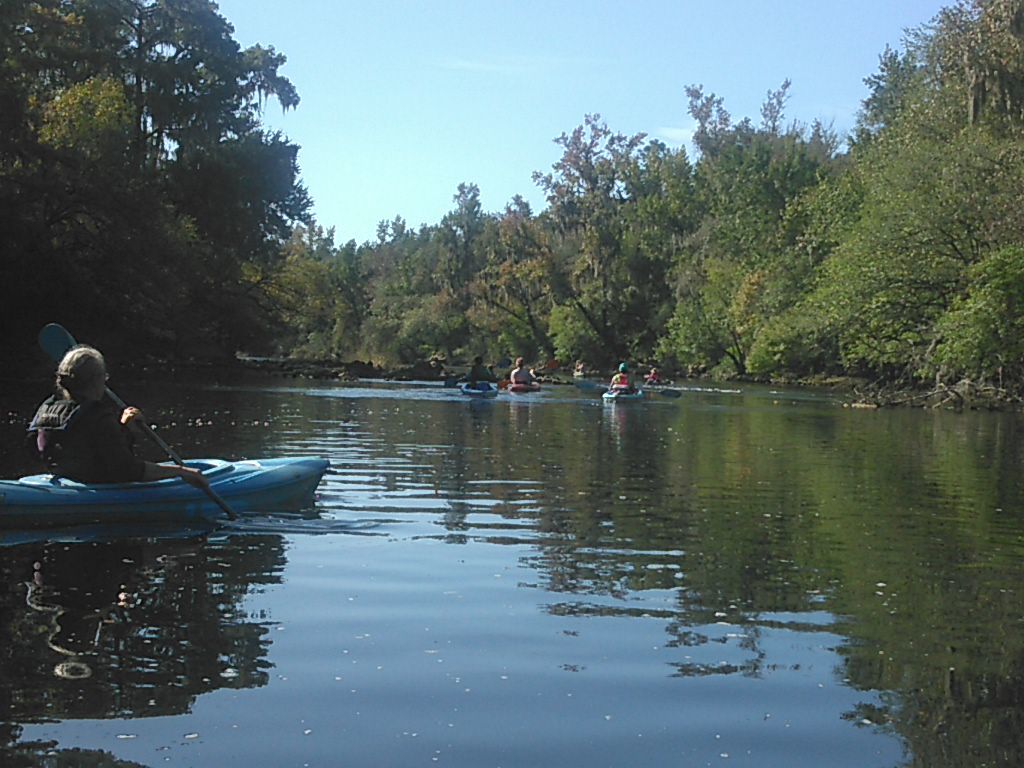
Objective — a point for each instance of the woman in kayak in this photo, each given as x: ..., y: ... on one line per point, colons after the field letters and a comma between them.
x: 520, y: 374
x: 621, y: 381
x: 80, y: 435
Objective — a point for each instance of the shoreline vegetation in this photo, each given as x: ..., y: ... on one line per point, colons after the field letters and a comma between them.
x: 149, y: 210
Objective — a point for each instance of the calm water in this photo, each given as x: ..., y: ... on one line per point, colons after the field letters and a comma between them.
x: 731, y: 578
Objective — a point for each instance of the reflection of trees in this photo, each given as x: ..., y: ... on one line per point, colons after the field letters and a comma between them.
x: 968, y: 714
x: 46, y: 753
x: 941, y: 639
x: 977, y: 718
x: 130, y: 629
x: 736, y: 527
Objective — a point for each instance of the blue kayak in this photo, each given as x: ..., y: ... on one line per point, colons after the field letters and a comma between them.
x: 479, y: 389
x: 251, y: 485
x: 617, y: 395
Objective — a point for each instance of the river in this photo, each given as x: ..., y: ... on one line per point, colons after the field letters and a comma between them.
x: 740, y: 576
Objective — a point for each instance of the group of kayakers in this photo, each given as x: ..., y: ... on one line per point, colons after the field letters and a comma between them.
x: 521, y: 375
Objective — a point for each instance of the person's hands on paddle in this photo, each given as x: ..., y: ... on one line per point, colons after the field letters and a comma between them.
x: 163, y: 471
x: 194, y: 478
x: 130, y: 414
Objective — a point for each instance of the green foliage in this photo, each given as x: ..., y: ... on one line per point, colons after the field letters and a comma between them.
x: 92, y: 118
x: 412, y: 329
x: 586, y: 192
x: 892, y: 89
x: 793, y: 343
x: 574, y: 337
x: 931, y: 209
x: 977, y: 53
x: 744, y: 265
x: 618, y: 208
x: 140, y: 196
x: 981, y: 336
x: 318, y: 293
x: 512, y: 294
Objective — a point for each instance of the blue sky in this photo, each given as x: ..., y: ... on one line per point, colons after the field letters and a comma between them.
x: 403, y: 101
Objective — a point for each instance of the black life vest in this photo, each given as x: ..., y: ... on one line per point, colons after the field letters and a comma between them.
x: 50, y: 427
x: 63, y: 435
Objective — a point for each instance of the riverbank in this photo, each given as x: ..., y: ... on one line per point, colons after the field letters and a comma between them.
x: 965, y: 395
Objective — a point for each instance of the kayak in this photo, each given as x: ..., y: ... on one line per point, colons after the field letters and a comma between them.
x: 616, y: 395
x: 480, y: 389
x: 250, y: 485
x: 520, y: 388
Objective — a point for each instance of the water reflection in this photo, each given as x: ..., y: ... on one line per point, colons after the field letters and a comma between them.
x: 130, y: 628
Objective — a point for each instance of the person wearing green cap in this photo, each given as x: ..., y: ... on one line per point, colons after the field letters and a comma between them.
x: 621, y: 381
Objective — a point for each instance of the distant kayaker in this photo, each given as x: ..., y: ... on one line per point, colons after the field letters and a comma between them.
x: 621, y: 381
x: 521, y: 375
x: 78, y: 433
x: 479, y: 372
x: 652, y: 378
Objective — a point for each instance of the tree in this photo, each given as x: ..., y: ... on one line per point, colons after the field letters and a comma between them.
x: 512, y: 294
x: 891, y: 88
x: 136, y: 182
x: 736, y: 272
x: 977, y: 51
x: 713, y: 121
x: 593, y: 185
x: 457, y: 237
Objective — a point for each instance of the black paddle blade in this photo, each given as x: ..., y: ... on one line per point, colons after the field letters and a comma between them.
x: 56, y: 341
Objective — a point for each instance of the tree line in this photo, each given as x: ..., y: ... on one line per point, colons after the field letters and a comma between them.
x: 135, y: 165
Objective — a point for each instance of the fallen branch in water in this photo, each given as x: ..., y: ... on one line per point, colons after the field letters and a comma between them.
x: 966, y: 394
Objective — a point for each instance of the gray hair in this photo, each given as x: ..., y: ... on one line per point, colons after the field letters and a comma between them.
x: 80, y: 367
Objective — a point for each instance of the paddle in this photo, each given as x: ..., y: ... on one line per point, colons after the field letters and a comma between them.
x: 56, y: 341
x: 666, y: 392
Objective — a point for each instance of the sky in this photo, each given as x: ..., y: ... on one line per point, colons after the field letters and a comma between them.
x: 402, y: 101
